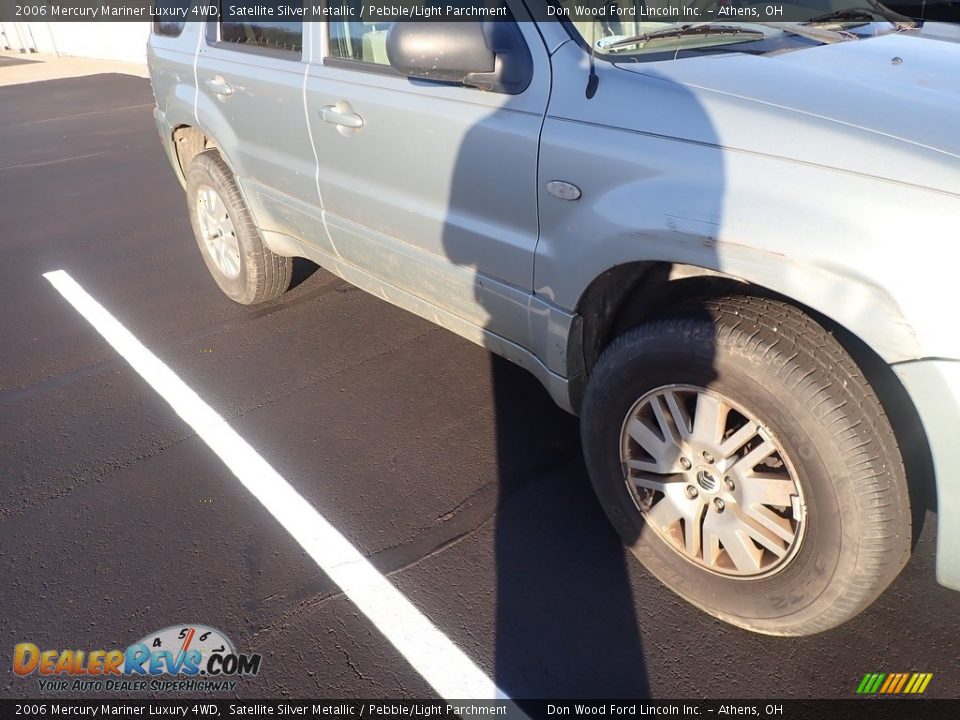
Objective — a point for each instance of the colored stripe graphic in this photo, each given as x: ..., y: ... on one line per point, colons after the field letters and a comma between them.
x: 894, y: 683
x: 921, y: 682
x: 890, y: 686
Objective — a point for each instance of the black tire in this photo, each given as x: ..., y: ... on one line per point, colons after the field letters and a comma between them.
x: 800, y: 383
x: 262, y: 275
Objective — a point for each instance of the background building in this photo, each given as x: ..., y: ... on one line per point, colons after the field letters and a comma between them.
x: 108, y: 41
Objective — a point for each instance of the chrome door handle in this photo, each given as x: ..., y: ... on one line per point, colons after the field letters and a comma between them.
x: 341, y: 115
x: 218, y: 86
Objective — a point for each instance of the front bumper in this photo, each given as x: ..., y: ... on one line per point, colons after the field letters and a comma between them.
x: 934, y: 387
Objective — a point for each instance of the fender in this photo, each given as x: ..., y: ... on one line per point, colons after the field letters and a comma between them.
x: 846, y: 243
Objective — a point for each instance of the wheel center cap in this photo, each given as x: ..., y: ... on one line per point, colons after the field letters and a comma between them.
x: 707, y: 481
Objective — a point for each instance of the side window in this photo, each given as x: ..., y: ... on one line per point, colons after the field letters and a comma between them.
x: 366, y: 41
x: 168, y: 28
x: 357, y: 40
x: 281, y: 37
x: 363, y: 41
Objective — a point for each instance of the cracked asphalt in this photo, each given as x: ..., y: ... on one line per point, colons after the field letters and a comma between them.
x: 450, y: 469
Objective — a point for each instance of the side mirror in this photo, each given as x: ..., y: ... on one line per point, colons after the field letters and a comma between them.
x: 487, y: 55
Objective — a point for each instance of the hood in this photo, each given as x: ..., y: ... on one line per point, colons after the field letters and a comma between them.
x: 897, y: 87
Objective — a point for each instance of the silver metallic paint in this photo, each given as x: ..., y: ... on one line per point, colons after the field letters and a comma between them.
x: 830, y: 175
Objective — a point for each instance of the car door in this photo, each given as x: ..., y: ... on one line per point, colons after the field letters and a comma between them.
x: 249, y: 78
x: 436, y: 191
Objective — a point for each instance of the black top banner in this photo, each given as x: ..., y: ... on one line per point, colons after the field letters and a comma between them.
x: 604, y: 11
x: 868, y: 709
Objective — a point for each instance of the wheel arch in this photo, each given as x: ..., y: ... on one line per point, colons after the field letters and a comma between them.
x: 624, y: 294
x: 628, y: 294
x: 188, y: 142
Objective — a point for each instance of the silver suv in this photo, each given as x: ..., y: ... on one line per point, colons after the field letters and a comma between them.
x: 727, y: 248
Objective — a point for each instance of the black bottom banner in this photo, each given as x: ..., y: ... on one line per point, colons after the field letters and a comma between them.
x: 874, y: 709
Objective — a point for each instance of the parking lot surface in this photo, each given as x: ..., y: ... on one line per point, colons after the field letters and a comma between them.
x: 450, y: 470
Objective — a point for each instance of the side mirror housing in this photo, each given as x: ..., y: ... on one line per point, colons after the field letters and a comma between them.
x: 486, y: 55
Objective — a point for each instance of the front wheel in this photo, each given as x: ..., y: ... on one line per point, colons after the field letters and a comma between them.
x: 747, y: 463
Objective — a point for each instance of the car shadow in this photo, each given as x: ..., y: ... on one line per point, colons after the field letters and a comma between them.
x: 566, y: 623
x: 303, y: 269
x: 566, y: 615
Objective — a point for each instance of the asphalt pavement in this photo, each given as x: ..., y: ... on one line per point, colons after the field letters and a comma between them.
x: 450, y: 469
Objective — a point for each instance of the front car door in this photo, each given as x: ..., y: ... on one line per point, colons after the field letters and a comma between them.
x: 436, y: 191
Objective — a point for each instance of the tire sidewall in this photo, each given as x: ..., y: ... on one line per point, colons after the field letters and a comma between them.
x: 207, y: 169
x: 807, y: 584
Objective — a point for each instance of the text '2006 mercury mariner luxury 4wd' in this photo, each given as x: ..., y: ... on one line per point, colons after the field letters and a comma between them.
x: 727, y: 248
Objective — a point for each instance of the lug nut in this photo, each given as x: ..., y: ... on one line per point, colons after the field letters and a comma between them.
x: 718, y: 504
x: 707, y: 457
x: 685, y: 464
x: 692, y: 492
x: 729, y: 483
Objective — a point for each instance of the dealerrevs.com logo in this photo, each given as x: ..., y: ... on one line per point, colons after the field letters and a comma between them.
x: 184, y: 658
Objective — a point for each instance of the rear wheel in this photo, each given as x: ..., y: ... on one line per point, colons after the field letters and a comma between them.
x: 747, y: 463
x: 244, y: 268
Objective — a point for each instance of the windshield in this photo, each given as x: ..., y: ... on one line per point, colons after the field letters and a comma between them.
x: 631, y: 27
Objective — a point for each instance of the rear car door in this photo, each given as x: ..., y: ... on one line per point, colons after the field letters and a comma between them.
x: 250, y: 100
x: 436, y: 193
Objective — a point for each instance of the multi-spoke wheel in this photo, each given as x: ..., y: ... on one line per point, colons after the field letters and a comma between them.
x: 217, y: 232
x: 230, y: 243
x: 712, y: 481
x: 747, y: 463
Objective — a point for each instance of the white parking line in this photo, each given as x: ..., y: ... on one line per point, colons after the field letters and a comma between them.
x: 431, y: 653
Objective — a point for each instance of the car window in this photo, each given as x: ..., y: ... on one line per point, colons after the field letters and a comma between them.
x: 168, y: 28
x: 622, y: 21
x: 280, y: 36
x: 358, y: 40
x: 167, y: 8
x: 366, y: 40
